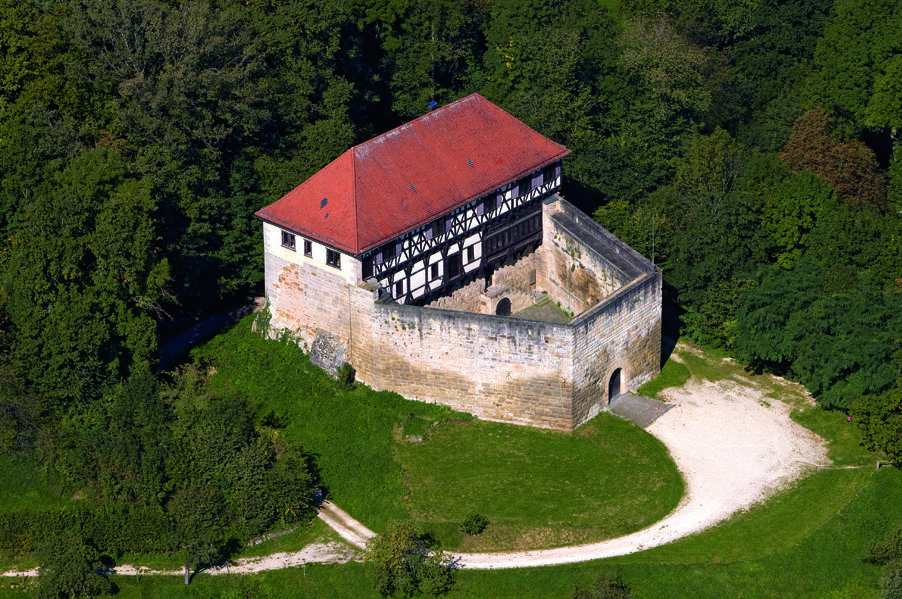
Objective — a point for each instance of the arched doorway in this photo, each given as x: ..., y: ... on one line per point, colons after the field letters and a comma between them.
x: 614, y: 385
x: 503, y: 308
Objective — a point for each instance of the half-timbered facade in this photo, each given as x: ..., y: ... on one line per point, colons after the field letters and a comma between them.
x: 429, y: 206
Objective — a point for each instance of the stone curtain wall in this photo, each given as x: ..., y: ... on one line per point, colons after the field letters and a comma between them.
x: 624, y: 331
x: 573, y: 272
x: 497, y: 368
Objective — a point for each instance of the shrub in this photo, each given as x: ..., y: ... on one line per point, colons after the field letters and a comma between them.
x: 401, y: 561
x: 346, y: 376
x: 606, y: 586
x: 891, y: 581
x: 474, y: 524
x: 887, y: 549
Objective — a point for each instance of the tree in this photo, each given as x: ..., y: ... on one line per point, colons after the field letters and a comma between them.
x: 232, y: 480
x: 838, y: 340
x: 880, y: 420
x: 84, y: 278
x: 850, y: 167
x: 721, y: 239
x: 429, y: 48
x: 70, y: 567
x: 791, y: 212
x: 713, y: 323
x: 681, y: 75
x: 852, y: 53
x: 401, y: 561
x: 197, y: 509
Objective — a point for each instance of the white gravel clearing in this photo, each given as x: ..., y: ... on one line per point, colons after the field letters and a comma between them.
x: 734, y: 447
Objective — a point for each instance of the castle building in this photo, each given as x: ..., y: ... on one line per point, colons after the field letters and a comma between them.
x: 419, y: 257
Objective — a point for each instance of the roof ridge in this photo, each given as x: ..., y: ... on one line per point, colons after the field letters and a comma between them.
x: 432, y: 112
x: 406, y: 177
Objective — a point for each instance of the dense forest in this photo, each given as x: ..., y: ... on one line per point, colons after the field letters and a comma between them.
x: 747, y: 147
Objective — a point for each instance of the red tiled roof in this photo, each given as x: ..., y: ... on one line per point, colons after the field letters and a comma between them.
x: 409, y: 176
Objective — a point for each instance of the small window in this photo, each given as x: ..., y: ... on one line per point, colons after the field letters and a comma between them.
x: 489, y: 203
x: 399, y: 288
x: 525, y: 186
x: 471, y: 254
x: 288, y: 240
x: 434, y: 271
x: 367, y: 268
x: 388, y: 251
x: 333, y: 258
x: 308, y: 248
x: 438, y: 227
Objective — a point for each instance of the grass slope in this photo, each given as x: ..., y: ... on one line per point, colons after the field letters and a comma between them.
x: 807, y: 542
x: 539, y: 488
x: 350, y: 434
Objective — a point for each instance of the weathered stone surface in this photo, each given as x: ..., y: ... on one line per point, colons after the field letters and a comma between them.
x: 328, y: 352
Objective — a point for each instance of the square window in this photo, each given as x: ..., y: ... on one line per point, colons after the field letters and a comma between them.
x: 333, y: 258
x: 489, y: 203
x: 287, y: 240
x: 308, y: 248
x: 438, y: 227
x: 388, y: 251
x: 525, y: 186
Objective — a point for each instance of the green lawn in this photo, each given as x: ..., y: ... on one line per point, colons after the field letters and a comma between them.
x: 806, y: 542
x: 673, y: 374
x: 538, y: 488
x: 351, y: 435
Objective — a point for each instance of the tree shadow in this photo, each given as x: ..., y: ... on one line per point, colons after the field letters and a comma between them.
x: 671, y: 324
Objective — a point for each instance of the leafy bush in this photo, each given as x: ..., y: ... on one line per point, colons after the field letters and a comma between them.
x: 887, y: 549
x: 606, y: 586
x: 891, y: 581
x: 403, y: 561
x: 474, y: 524
x: 69, y: 565
x: 346, y: 376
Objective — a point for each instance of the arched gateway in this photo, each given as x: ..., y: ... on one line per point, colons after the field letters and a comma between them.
x: 614, y: 385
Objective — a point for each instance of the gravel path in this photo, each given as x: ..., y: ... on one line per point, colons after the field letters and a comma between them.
x: 734, y: 447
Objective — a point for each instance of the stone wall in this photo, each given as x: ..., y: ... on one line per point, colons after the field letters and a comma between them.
x: 622, y: 332
x: 495, y: 367
x: 499, y: 368
x: 573, y: 262
x: 466, y: 298
x: 616, y: 294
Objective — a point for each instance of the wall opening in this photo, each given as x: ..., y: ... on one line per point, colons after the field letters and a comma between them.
x: 503, y: 308
x: 614, y: 386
